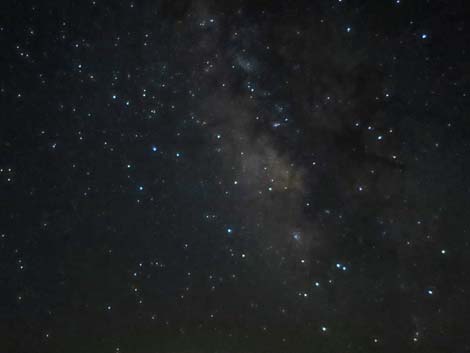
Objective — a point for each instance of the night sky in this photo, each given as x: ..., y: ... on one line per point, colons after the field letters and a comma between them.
x: 234, y: 176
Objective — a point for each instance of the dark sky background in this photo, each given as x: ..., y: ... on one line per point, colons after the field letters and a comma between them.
x: 244, y: 176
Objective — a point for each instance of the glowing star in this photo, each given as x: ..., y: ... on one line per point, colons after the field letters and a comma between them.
x: 229, y: 230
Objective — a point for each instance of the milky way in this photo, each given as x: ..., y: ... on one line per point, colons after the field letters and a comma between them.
x: 252, y: 176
